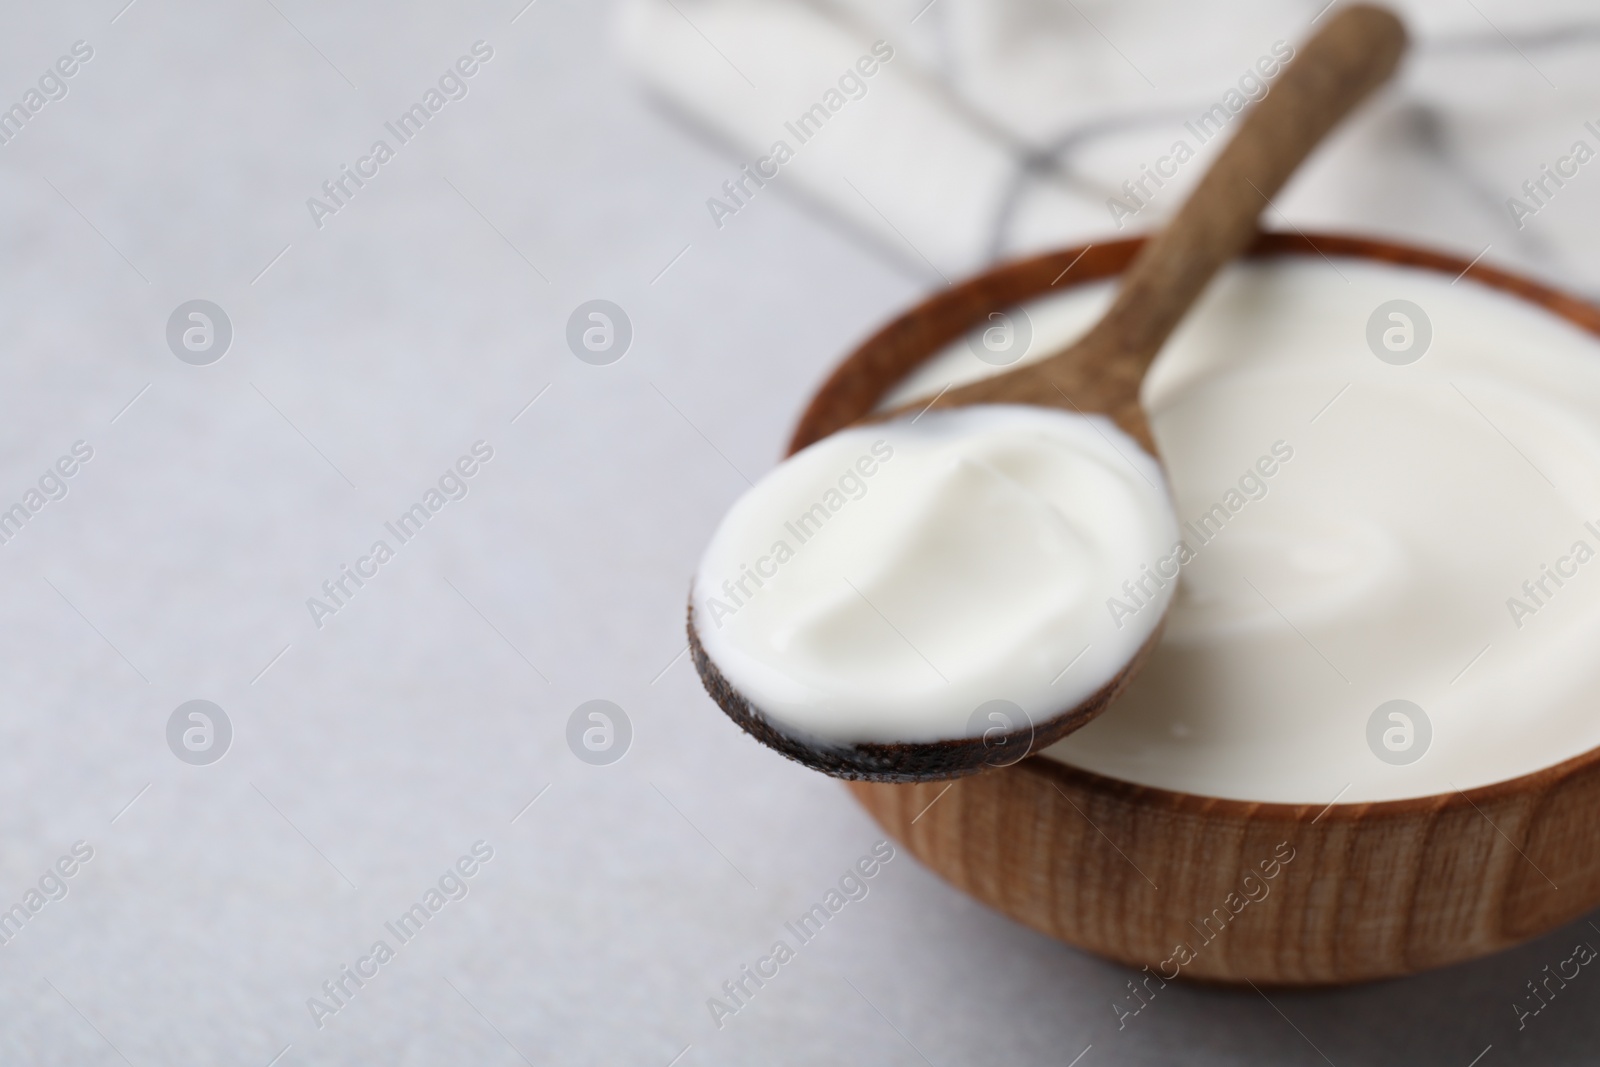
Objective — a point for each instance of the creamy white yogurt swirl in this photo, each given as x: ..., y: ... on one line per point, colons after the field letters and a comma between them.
x: 886, y: 582
x: 1432, y: 539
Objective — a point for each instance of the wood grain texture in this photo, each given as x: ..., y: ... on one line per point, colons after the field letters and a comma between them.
x: 1126, y: 871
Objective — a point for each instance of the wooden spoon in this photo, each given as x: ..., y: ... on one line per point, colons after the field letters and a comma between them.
x: 1101, y: 372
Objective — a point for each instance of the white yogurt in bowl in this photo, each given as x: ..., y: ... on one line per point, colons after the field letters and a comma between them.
x: 1429, y: 533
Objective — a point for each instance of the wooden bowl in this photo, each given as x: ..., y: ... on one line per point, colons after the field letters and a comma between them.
x: 1368, y: 890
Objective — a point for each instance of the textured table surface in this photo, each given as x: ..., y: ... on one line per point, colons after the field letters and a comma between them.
x: 377, y: 743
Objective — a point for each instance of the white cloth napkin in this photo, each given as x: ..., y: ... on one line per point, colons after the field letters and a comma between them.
x: 1005, y: 126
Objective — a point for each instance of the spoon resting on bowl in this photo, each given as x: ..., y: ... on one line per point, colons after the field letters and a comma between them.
x: 891, y: 603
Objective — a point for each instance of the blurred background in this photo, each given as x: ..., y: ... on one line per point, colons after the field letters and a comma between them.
x: 385, y: 330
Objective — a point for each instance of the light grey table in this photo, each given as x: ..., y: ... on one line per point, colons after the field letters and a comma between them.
x: 430, y: 711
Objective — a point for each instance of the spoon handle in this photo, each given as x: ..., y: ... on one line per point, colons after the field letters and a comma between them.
x: 1352, y: 55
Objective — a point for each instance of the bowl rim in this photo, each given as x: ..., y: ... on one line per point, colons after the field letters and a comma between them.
x: 840, y: 389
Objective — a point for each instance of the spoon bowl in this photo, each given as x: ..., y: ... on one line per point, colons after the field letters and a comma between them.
x: 1002, y: 745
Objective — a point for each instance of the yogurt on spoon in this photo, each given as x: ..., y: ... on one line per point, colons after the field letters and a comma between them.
x: 887, y: 582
